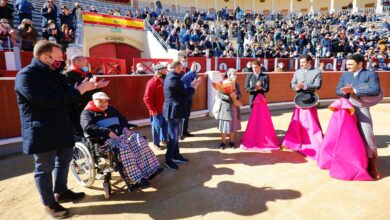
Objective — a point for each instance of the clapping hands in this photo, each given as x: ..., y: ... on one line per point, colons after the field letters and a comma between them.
x: 88, y: 85
x: 196, y: 82
x: 101, y: 83
x: 299, y: 86
x: 348, y: 89
x: 258, y: 85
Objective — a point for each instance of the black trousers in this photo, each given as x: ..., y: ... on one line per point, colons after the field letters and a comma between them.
x: 187, y: 118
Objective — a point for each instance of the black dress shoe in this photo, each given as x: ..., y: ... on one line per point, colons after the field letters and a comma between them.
x: 232, y: 145
x: 57, y: 211
x: 69, y: 196
x: 222, y: 146
x: 187, y: 134
x: 171, y: 165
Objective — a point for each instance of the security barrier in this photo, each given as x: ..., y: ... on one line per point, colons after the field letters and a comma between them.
x: 127, y: 92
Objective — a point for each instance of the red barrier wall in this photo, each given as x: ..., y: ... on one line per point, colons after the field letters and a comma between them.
x: 127, y: 94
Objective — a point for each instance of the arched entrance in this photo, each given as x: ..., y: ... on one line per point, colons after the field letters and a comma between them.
x: 116, y: 50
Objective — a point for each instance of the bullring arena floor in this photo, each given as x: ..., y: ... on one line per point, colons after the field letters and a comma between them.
x: 228, y: 184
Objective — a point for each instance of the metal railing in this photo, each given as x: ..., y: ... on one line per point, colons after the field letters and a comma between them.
x: 148, y: 27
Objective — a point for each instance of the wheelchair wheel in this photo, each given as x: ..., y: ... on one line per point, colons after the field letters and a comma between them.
x: 83, y: 165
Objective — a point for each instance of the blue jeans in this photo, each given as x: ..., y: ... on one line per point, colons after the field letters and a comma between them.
x: 45, y: 163
x: 174, y: 128
x: 159, y: 128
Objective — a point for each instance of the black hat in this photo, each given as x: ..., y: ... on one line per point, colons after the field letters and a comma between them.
x: 159, y: 67
x: 306, y: 99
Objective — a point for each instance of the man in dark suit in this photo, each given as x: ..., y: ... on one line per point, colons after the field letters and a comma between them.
x: 357, y: 75
x: 43, y: 96
x: 257, y: 82
x: 174, y: 111
x: 76, y: 74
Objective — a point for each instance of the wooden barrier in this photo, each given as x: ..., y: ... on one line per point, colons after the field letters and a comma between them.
x: 8, y: 73
x: 25, y: 59
x: 127, y: 95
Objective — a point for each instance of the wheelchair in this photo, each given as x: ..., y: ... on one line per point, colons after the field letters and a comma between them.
x: 89, y: 163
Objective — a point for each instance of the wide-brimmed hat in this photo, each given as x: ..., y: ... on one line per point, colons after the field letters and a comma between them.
x: 100, y: 95
x: 306, y: 99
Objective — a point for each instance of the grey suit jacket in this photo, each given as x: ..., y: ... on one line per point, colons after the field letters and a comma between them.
x: 312, y: 79
x: 363, y: 76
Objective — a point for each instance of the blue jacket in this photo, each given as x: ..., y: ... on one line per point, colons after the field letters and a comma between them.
x: 188, y: 78
x: 176, y: 96
x: 364, y: 76
x: 43, y: 97
x: 23, y: 6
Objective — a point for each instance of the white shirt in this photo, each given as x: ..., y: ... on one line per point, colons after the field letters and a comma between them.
x: 356, y: 73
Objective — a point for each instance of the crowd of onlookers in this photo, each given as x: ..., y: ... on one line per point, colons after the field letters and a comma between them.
x: 221, y: 34
x: 58, y: 24
x: 319, y: 35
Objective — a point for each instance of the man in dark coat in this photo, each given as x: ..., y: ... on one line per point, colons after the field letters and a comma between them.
x: 43, y: 97
x: 257, y: 82
x: 174, y: 111
x: 76, y: 74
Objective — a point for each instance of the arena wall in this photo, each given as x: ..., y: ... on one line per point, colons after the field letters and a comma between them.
x: 127, y: 92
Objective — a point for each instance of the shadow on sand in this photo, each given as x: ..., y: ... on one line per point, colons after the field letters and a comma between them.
x: 184, y: 193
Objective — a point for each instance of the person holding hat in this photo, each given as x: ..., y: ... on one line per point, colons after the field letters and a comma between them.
x: 154, y: 101
x: 102, y: 121
x: 349, y: 87
x: 304, y: 133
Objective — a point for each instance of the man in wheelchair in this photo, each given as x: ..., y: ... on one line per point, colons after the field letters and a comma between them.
x: 102, y: 121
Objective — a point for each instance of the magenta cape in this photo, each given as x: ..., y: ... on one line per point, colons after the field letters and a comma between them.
x: 304, y: 133
x: 342, y: 151
x: 260, y: 133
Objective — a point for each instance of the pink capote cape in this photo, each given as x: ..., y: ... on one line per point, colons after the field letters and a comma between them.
x: 342, y: 151
x: 260, y: 133
x: 304, y: 133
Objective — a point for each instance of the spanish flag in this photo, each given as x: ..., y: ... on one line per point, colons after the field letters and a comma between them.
x: 114, y: 21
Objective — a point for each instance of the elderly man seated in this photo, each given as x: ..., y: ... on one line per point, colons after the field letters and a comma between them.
x: 101, y: 120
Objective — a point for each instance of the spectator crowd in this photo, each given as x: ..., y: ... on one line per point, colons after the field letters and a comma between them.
x: 277, y: 36
x: 221, y: 34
